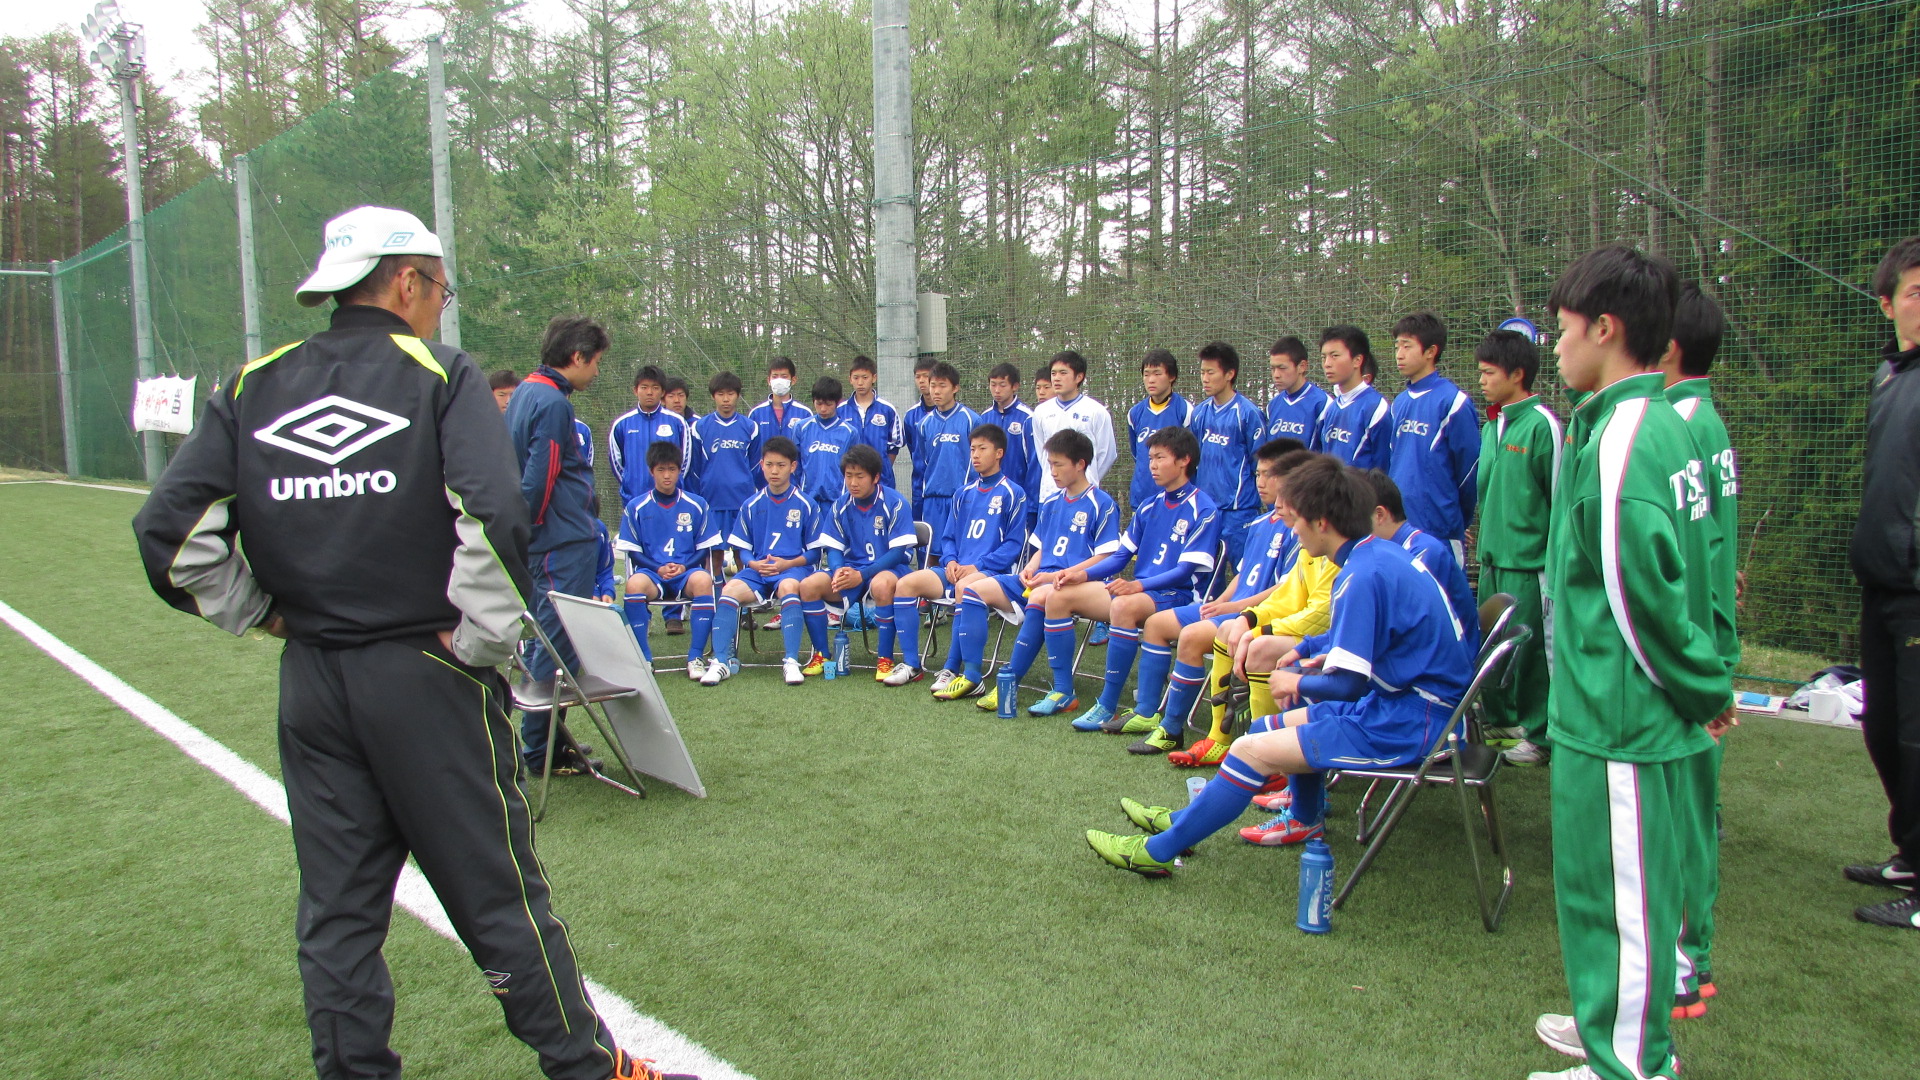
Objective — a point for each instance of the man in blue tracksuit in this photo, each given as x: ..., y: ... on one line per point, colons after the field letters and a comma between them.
x: 1354, y: 426
x: 557, y: 484
x: 1434, y: 450
x: 1230, y: 428
x: 944, y: 436
x: 1024, y: 460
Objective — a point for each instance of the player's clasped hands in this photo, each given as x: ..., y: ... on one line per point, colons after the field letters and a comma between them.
x: 846, y: 579
x: 1124, y: 587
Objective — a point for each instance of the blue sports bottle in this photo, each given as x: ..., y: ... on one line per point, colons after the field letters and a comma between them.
x: 840, y: 649
x: 1316, y: 888
x: 1006, y: 694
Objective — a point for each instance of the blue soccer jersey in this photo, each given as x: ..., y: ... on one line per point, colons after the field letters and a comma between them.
x: 1142, y: 421
x: 779, y: 418
x: 1228, y: 434
x: 1181, y: 526
x: 1268, y: 554
x: 916, y: 451
x: 878, y: 425
x: 1437, y: 556
x: 1025, y: 459
x: 1357, y: 428
x: 726, y: 452
x: 1392, y: 625
x: 946, y: 440
x: 1298, y: 415
x: 656, y: 532
x: 603, y: 566
x: 863, y: 533
x: 1073, y: 529
x: 583, y: 435
x: 988, y: 526
x: 822, y: 446
x: 778, y: 526
x: 1435, y: 455
x: 627, y: 443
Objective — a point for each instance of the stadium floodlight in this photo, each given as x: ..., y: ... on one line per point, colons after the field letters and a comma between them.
x: 111, y: 45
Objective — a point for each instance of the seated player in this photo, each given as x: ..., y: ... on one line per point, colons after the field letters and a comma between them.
x: 1379, y: 687
x: 986, y: 528
x: 668, y: 534
x: 1078, y: 526
x: 1160, y: 714
x: 1176, y: 537
x: 1390, y: 523
x: 868, y: 538
x: 773, y: 535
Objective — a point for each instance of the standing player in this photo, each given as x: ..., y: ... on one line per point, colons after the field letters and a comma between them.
x: 673, y: 395
x: 1298, y: 403
x: 1175, y: 538
x: 984, y: 533
x: 1162, y: 407
x: 910, y: 434
x: 942, y: 435
x: 1376, y: 689
x: 1355, y: 427
x: 1435, y: 448
x: 774, y: 535
x: 667, y: 535
x: 872, y: 416
x: 779, y: 414
x: 502, y: 383
x: 726, y: 452
x: 868, y: 539
x: 1519, y: 465
x: 1024, y: 459
x: 648, y: 422
x: 1042, y: 385
x: 1230, y: 428
x: 1639, y: 685
x: 583, y: 438
x: 1070, y: 408
x: 1079, y: 526
x: 824, y: 439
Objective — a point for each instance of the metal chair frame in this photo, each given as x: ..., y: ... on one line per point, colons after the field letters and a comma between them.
x: 585, y: 693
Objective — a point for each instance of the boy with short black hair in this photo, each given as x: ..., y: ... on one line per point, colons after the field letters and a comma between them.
x: 868, y: 539
x: 1298, y: 404
x: 983, y: 534
x: 667, y: 535
x: 726, y: 452
x: 1519, y: 463
x: 1071, y: 407
x: 648, y: 422
x: 1230, y: 428
x: 1390, y: 524
x: 1377, y: 688
x: 824, y: 439
x: 502, y: 383
x: 673, y: 394
x: 1023, y: 462
x: 1639, y: 685
x: 774, y: 535
x: 1434, y: 449
x: 1162, y: 407
x: 780, y: 414
x: 874, y: 418
x: 942, y: 461
x: 1042, y: 385
x: 1355, y: 426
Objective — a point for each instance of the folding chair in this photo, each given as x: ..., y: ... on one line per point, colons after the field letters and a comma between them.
x: 922, y: 551
x: 576, y: 689
x: 712, y: 563
x: 1084, y: 626
x: 1457, y: 760
x: 641, y: 731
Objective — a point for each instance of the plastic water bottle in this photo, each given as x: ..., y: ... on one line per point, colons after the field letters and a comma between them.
x: 1195, y: 785
x: 830, y: 669
x: 1316, y: 888
x: 1006, y: 694
x: 840, y: 648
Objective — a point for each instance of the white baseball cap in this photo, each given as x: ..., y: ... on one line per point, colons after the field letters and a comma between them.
x: 355, y: 242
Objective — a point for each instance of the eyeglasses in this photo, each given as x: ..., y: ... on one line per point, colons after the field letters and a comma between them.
x: 446, y: 290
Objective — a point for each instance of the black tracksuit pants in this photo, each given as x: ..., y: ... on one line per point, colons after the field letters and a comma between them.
x: 1890, y: 660
x: 393, y: 748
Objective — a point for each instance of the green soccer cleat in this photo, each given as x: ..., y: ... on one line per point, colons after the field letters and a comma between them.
x: 1132, y: 723
x: 1127, y: 853
x: 1152, y: 820
x: 1159, y: 742
x: 956, y: 688
x: 990, y: 702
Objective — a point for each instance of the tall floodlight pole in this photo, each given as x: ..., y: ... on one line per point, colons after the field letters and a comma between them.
x: 442, y: 179
x: 118, y: 50
x: 895, y: 270
x: 249, y: 268
x: 69, y: 428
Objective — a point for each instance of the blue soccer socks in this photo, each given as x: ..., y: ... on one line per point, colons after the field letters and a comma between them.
x: 793, y: 625
x: 640, y: 619
x: 701, y: 629
x: 814, y: 612
x: 1122, y: 643
x: 1151, y: 686
x: 1059, y: 635
x: 906, y: 624
x: 970, y: 633
x: 1223, y: 799
x: 1187, y: 681
x: 1028, y: 644
x: 726, y: 628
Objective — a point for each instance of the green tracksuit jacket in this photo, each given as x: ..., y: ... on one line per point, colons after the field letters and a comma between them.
x: 1519, y: 461
x: 1692, y: 398
x: 1637, y: 670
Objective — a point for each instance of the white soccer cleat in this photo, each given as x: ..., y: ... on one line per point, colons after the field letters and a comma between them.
x: 901, y: 675
x: 718, y: 672
x: 790, y: 671
x: 941, y: 678
x: 696, y: 667
x: 1559, y: 1031
x: 1528, y: 753
x: 1578, y: 1072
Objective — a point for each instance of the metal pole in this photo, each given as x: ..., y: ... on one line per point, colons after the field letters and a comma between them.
x: 895, y: 271
x: 153, y: 448
x: 69, y: 430
x: 249, y: 268
x: 442, y: 179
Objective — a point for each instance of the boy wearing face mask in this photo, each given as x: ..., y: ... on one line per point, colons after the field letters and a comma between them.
x: 779, y: 414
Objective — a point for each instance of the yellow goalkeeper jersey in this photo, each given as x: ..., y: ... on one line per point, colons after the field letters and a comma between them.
x: 1302, y: 603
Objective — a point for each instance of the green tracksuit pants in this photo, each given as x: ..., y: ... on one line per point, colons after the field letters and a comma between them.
x: 1523, y: 702
x: 1699, y: 861
x: 1617, y: 886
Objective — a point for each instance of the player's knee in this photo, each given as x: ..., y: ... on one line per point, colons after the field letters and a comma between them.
x: 639, y: 585
x: 700, y: 584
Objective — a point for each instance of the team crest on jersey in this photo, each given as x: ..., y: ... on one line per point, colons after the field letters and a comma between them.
x: 993, y: 505
x: 1273, y: 547
x: 1180, y: 529
x: 1079, y: 519
x: 665, y: 430
x: 684, y: 521
x: 793, y: 517
x: 877, y: 420
x: 1013, y: 428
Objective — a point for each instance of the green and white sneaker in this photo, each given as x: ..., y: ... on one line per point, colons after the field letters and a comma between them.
x: 1504, y: 737
x: 1127, y: 853
x: 1152, y: 820
x: 1132, y: 723
x: 1528, y: 753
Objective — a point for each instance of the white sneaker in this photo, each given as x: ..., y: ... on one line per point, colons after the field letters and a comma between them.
x: 1578, y: 1072
x: 901, y: 675
x: 790, y: 671
x: 941, y: 678
x: 696, y: 667
x: 1560, y: 1032
x: 717, y: 673
x: 771, y: 624
x: 1527, y: 753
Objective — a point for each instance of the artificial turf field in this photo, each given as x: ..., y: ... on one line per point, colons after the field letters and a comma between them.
x: 879, y: 886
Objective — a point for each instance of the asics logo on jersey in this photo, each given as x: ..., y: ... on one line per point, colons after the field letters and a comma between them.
x: 331, y: 429
x: 727, y: 444
x: 1339, y: 435
x: 1218, y: 438
x: 1415, y: 427
x: 822, y: 448
x: 946, y: 437
x: 1289, y: 427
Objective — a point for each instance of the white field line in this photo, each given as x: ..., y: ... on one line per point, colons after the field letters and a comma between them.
x: 640, y: 1034
x: 76, y: 483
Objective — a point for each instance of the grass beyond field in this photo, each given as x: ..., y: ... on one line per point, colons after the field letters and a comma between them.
x: 880, y: 886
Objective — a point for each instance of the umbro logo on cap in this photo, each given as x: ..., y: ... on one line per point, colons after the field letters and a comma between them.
x: 331, y: 429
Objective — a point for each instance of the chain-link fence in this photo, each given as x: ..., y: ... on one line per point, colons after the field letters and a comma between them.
x: 1767, y: 148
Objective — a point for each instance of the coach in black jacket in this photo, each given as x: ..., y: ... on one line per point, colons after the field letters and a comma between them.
x: 1886, y: 560
x: 354, y: 493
